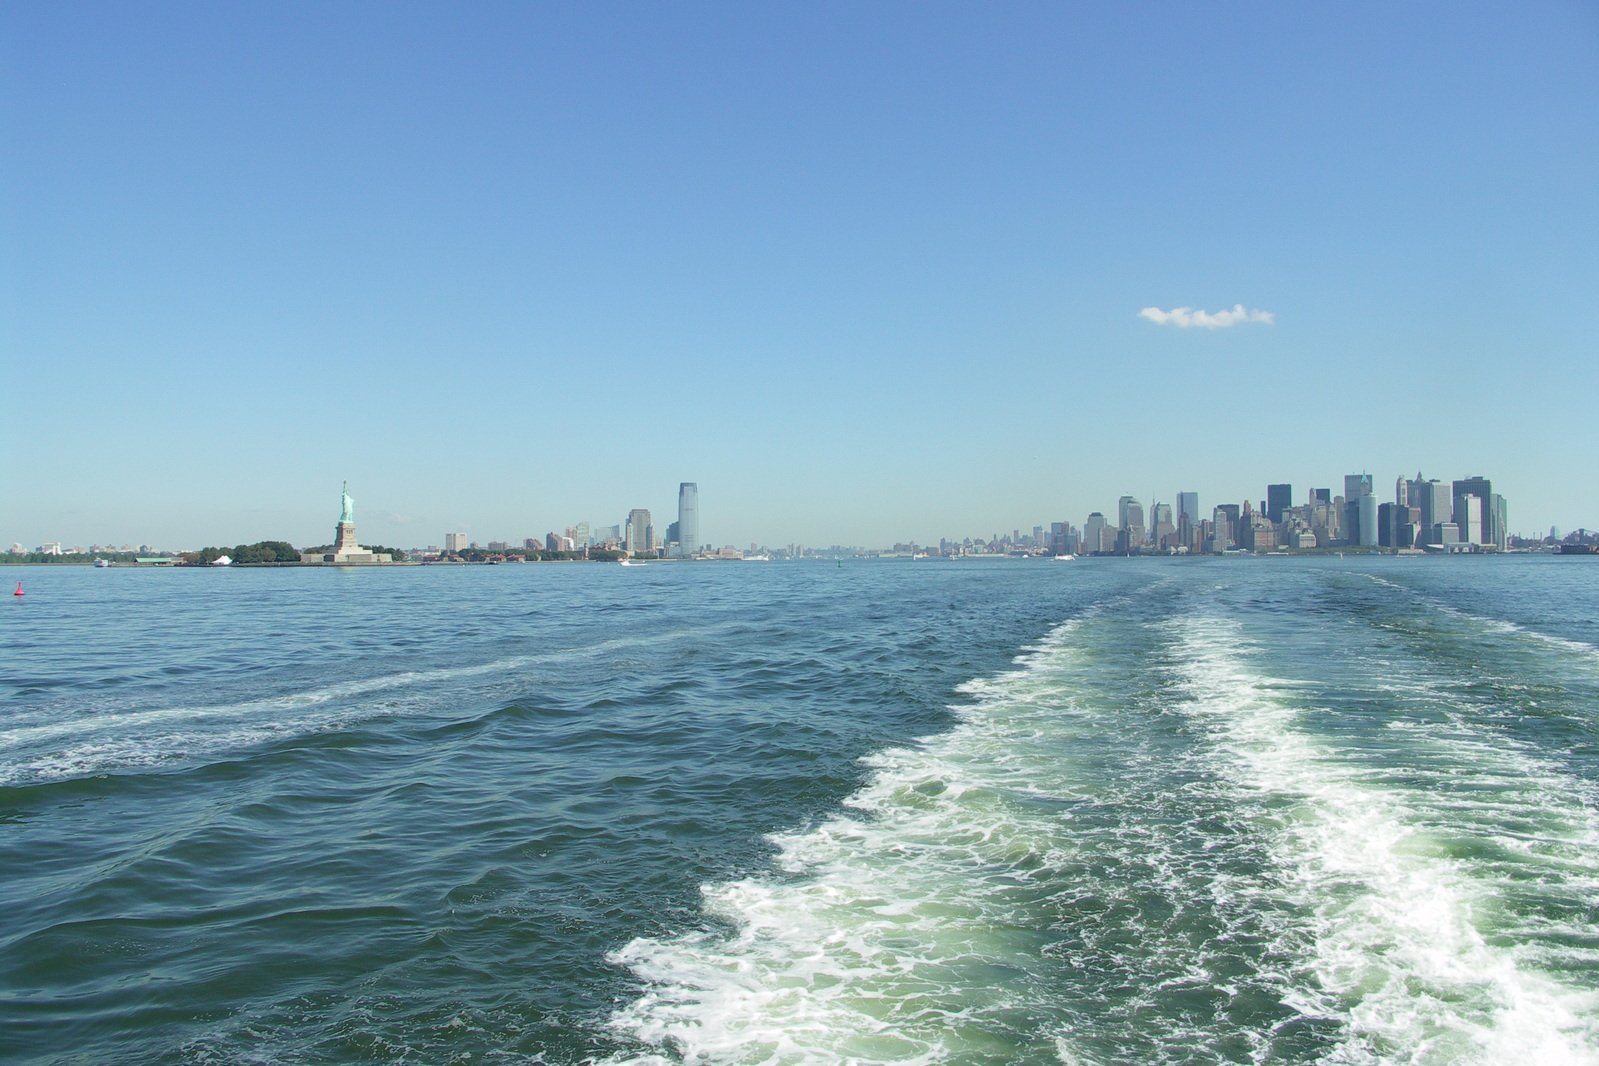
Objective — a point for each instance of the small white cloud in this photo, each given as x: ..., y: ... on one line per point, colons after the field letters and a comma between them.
x: 1184, y: 317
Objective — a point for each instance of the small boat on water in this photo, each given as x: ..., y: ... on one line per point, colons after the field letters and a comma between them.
x: 1067, y: 558
x: 102, y: 563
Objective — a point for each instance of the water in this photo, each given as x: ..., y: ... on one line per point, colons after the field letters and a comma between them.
x: 1105, y: 812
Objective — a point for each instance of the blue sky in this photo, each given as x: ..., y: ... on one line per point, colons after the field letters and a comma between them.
x: 864, y: 272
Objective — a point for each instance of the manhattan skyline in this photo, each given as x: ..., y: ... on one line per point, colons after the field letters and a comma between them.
x: 864, y: 275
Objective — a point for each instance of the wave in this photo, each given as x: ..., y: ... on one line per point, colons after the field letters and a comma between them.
x: 887, y: 935
x: 1404, y: 952
x: 53, y: 743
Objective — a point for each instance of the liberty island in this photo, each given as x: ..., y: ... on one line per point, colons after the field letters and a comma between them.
x: 346, y: 551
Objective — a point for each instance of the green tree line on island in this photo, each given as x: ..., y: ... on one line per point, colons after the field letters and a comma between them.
x: 262, y: 551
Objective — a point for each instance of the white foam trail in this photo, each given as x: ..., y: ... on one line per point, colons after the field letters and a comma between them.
x: 1497, y: 625
x: 1399, y: 955
x: 880, y: 939
x: 49, y: 744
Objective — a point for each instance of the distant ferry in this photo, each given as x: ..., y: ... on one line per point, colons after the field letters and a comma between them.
x: 1067, y: 558
x: 102, y: 563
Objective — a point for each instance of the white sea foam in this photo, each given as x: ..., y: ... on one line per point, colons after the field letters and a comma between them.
x: 883, y: 938
x: 54, y: 744
x: 1400, y: 952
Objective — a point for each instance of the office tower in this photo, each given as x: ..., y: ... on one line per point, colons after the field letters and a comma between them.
x: 1437, y: 505
x: 580, y: 534
x: 1223, y: 521
x: 1160, y: 524
x: 1131, y: 517
x: 639, y: 531
x: 1481, y: 488
x: 1279, y: 498
x: 1401, y: 492
x: 1501, y: 521
x: 454, y: 542
x: 1468, y: 517
x: 1094, y: 533
x: 688, y: 517
x: 673, y: 541
x: 1355, y: 486
x: 1366, y: 510
x: 1188, y: 504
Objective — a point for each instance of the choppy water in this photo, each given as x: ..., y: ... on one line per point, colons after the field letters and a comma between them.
x: 1106, y: 812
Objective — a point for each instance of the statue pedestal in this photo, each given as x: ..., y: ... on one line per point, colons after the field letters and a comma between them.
x: 344, y: 539
x: 346, y: 552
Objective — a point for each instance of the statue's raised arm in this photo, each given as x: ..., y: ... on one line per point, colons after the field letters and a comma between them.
x: 346, y: 505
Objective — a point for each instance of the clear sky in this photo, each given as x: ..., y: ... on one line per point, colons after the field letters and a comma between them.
x: 865, y: 272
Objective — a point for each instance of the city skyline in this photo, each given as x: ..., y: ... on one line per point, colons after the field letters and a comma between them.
x: 872, y: 273
x: 1179, y: 519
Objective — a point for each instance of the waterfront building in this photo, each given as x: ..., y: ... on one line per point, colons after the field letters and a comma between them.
x: 1162, y: 533
x: 688, y: 518
x: 1130, y: 519
x: 1468, y: 517
x: 1366, y: 513
x: 1222, y: 522
x: 1356, y: 486
x: 640, y: 533
x: 455, y: 542
x: 1094, y: 533
x: 1437, y: 506
x: 1279, y: 498
x: 1492, y: 531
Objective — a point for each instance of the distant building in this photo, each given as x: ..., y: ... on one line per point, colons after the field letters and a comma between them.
x: 1492, y: 530
x: 1279, y: 498
x: 1468, y: 517
x: 1437, y: 506
x: 688, y: 518
x: 1366, y: 530
x: 455, y: 542
x: 1130, y: 520
x: 1094, y: 534
x: 640, y: 533
x: 1357, y: 487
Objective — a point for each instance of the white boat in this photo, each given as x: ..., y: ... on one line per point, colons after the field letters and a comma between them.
x: 102, y: 563
x: 222, y: 560
x: 1067, y: 558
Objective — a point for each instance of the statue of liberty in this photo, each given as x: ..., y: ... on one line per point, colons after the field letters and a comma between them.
x: 346, y: 505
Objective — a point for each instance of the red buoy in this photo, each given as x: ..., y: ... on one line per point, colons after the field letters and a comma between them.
x: 19, y: 589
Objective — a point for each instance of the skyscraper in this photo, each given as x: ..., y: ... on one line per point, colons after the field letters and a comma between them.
x: 1130, y: 519
x: 1436, y: 508
x: 1279, y: 498
x: 639, y: 532
x: 688, y: 518
x: 1481, y: 488
x: 1357, y: 486
x: 1366, y: 508
x: 1094, y: 533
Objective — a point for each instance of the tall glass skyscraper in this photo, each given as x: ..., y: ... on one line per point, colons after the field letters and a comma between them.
x: 688, y: 518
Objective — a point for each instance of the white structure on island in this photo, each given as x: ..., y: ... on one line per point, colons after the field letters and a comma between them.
x: 345, y: 551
